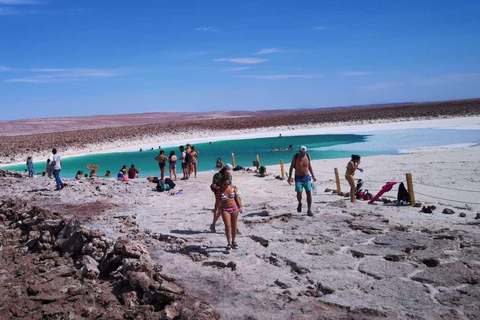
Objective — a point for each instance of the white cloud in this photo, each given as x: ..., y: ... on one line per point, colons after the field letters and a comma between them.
x: 19, y: 2
x: 211, y: 29
x: 28, y: 80
x: 283, y: 76
x: 4, y: 69
x: 355, y: 73
x: 319, y: 28
x: 267, y: 51
x: 242, y: 60
x: 58, y: 75
x: 235, y: 69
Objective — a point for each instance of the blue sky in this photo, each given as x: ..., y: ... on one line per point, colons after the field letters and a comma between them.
x: 71, y: 58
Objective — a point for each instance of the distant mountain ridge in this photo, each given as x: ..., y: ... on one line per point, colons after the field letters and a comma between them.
x: 64, y: 124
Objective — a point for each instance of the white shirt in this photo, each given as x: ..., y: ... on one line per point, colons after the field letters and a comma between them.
x: 184, y: 155
x: 57, y: 160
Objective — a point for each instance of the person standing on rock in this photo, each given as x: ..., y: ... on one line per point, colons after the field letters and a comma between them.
x: 352, y: 166
x: 49, y: 169
x: 56, y: 164
x: 31, y: 169
x: 229, y: 204
x: 303, y: 180
x: 226, y: 171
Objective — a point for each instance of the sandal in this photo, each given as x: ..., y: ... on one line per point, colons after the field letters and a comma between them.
x: 299, y: 208
x: 229, y: 248
x: 212, y: 228
x: 234, y: 245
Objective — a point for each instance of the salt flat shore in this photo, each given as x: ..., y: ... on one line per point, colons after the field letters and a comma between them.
x: 348, y: 261
x: 166, y: 139
x: 80, y: 135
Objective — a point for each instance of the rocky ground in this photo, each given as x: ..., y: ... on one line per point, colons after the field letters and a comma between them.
x: 33, y: 136
x: 347, y: 262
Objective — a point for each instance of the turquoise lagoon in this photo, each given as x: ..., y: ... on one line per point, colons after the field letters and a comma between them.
x: 325, y: 146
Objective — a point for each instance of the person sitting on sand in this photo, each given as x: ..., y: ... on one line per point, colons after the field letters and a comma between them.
x: 79, y: 175
x: 162, y: 163
x: 352, y: 166
x: 229, y: 204
x: 226, y: 171
x: 172, y: 167
x: 49, y: 169
x: 108, y: 174
x: 219, y: 163
x: 132, y: 172
x: 301, y: 164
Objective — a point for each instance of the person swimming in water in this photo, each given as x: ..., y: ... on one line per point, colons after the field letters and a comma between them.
x: 352, y: 166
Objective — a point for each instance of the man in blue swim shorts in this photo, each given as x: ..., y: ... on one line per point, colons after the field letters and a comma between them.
x: 303, y: 180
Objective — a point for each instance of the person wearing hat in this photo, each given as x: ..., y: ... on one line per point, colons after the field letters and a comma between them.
x: 303, y: 180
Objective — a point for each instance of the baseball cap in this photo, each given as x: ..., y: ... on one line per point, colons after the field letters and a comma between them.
x: 302, y: 149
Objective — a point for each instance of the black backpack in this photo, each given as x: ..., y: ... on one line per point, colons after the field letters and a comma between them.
x: 402, y: 194
x: 170, y: 183
x: 160, y: 186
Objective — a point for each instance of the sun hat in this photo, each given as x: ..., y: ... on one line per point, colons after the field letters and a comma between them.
x: 302, y: 149
x: 229, y: 167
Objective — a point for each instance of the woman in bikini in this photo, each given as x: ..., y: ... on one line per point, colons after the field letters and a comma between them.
x: 194, y: 153
x: 352, y: 166
x: 229, y: 202
x: 172, y: 165
x: 162, y: 162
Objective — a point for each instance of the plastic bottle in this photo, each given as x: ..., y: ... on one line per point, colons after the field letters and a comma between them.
x: 314, y: 189
x: 361, y: 170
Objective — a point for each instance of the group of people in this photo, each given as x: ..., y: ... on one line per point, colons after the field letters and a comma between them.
x: 228, y: 203
x: 188, y: 158
x: 52, y: 169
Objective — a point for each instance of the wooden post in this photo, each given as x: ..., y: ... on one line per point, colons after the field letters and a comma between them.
x: 233, y: 160
x: 282, y: 168
x: 337, y: 179
x: 410, y: 188
x: 258, y: 159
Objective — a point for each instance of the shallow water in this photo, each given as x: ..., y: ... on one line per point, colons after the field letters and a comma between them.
x: 319, y: 147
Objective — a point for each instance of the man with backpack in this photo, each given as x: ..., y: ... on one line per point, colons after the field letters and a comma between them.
x: 303, y: 180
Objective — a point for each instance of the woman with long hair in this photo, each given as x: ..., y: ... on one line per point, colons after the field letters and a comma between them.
x: 194, y: 153
x: 230, y: 204
x: 352, y: 166
x: 162, y: 163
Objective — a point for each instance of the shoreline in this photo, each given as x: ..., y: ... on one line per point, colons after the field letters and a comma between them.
x: 204, y: 136
x: 345, y: 249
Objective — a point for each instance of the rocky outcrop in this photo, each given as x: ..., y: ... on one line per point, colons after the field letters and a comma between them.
x: 56, y: 268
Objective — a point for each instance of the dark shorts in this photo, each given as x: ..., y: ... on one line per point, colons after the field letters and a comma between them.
x: 161, y: 165
x: 184, y: 165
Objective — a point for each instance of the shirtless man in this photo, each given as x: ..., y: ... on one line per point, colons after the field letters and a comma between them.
x: 301, y: 164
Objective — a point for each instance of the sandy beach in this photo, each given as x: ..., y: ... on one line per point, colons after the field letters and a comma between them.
x: 348, y: 261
